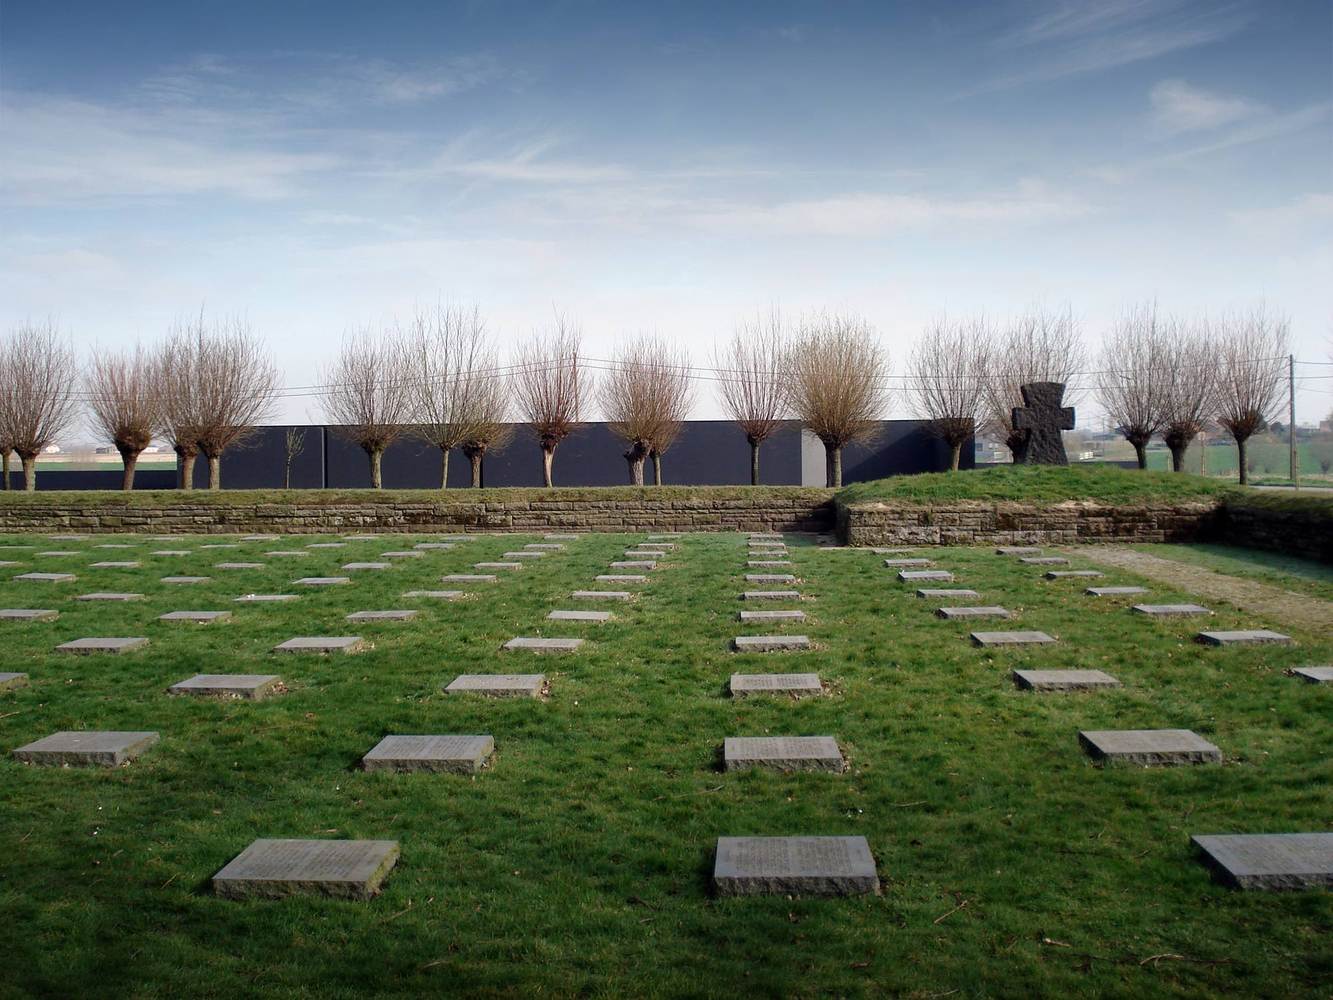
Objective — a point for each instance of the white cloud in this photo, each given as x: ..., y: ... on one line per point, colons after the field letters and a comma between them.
x: 1314, y: 209
x: 1178, y: 106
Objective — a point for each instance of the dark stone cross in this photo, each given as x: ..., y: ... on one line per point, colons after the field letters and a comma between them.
x: 1044, y: 418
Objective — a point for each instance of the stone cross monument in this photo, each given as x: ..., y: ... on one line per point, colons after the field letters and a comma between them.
x: 1044, y: 418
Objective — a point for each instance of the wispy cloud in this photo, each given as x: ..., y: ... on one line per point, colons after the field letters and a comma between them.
x: 1180, y: 107
x: 1076, y: 37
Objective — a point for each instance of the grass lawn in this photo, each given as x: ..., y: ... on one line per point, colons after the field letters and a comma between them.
x: 1035, y: 484
x: 579, y: 863
x: 1304, y: 576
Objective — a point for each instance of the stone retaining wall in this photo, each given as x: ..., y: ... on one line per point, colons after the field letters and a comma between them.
x: 1305, y: 532
x: 1006, y: 523
x: 770, y: 510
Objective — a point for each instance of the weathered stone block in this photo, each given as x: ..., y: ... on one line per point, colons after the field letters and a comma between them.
x: 1073, y: 574
x: 441, y: 754
x: 771, y: 595
x: 243, y: 687
x: 198, y: 617
x: 769, y: 643
x: 323, y: 644
x: 272, y: 869
x: 922, y: 575
x: 322, y: 581
x: 945, y: 594
x: 1063, y: 680
x: 185, y: 580
x: 579, y: 616
x: 1314, y: 675
x: 1114, y: 591
x: 1010, y: 638
x: 499, y: 685
x: 382, y: 616
x: 772, y: 616
x: 439, y: 595
x: 782, y: 753
x: 87, y: 748
x: 796, y: 685
x: 47, y: 577
x: 810, y: 866
x: 28, y: 615
x: 539, y: 644
x: 1243, y: 637
x: 266, y: 598
x: 602, y: 595
x: 111, y: 646
x: 1269, y: 861
x: 1170, y: 610
x: 1149, y: 747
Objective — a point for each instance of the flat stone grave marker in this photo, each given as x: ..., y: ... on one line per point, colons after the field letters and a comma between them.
x: 620, y: 578
x: 362, y: 538
x: 242, y: 687
x: 769, y: 643
x: 544, y: 546
x: 260, y: 538
x: 985, y: 611
x: 220, y: 545
x: 403, y: 554
x: 170, y: 552
x: 115, y: 565
x: 1063, y: 680
x: 561, y: 538
x: 1244, y: 637
x: 266, y: 598
x: 881, y: 551
x: 1044, y: 561
x: 1269, y: 861
x: 579, y: 616
x: 114, y: 545
x: 1171, y: 610
x: 441, y: 754
x: 1010, y: 638
x: 382, y: 616
x: 68, y: 538
x: 523, y: 554
x: 86, y: 748
x: 499, y: 685
x: 782, y: 753
x: 913, y: 575
x: 10, y: 681
x: 781, y: 866
x: 112, y: 646
x: 656, y: 546
x: 1017, y: 550
x: 1149, y: 747
x: 106, y: 595
x: 761, y: 534
x: 327, y: 545
x: 434, y: 546
x: 771, y: 595
x: 28, y: 615
x: 469, y: 578
x: 542, y: 644
x: 47, y: 577
x: 766, y: 563
x: 323, y: 644
x: 460, y: 538
x: 322, y: 581
x: 1056, y: 574
x: 908, y: 563
x: 743, y: 685
x: 55, y: 555
x: 272, y: 869
x: 1114, y: 591
x: 238, y: 565
x: 497, y: 565
x: 772, y: 616
x: 181, y: 580
x: 7, y: 563
x: 1314, y: 675
x: 930, y: 593
x: 602, y: 595
x: 438, y: 595
x: 198, y: 617
x: 355, y: 566
x: 285, y: 553
x: 634, y: 564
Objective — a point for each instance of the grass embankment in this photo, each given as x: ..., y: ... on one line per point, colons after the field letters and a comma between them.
x: 1304, y: 576
x: 1035, y: 483
x: 578, y: 864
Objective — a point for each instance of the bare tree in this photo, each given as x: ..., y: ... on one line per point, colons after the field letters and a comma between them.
x: 948, y: 368
x: 835, y: 375
x: 1189, y: 387
x: 486, y: 415
x: 749, y: 373
x: 39, y: 397
x: 235, y: 384
x: 626, y: 396
x: 552, y: 386
x: 124, y: 403
x: 369, y: 394
x: 1133, y: 384
x: 1041, y: 345
x: 6, y: 416
x: 673, y: 395
x: 447, y: 351
x: 293, y: 444
x: 1251, y: 349
x: 178, y: 397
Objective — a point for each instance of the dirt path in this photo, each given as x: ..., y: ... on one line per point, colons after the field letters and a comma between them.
x: 1263, y: 599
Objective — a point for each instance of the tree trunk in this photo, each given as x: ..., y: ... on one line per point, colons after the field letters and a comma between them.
x: 475, y: 459
x: 376, y: 457
x: 187, y: 470
x: 754, y: 463
x: 955, y: 455
x: 548, y: 457
x: 1241, y: 444
x: 834, y: 455
x: 29, y: 473
x: 130, y: 459
x: 444, y: 468
x: 657, y: 467
x: 4, y: 461
x: 634, y: 457
x: 1141, y: 453
x: 1017, y: 443
x: 287, y: 474
x: 215, y: 472
x: 1177, y: 456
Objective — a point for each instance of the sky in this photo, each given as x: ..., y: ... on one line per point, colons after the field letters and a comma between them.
x: 661, y: 168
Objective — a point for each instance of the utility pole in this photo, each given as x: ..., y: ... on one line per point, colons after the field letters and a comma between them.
x: 1291, y: 426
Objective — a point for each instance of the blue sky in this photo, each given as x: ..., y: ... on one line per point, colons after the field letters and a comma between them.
x: 667, y: 168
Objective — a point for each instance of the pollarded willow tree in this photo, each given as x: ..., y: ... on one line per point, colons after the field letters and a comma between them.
x: 748, y: 369
x: 235, y: 385
x: 368, y: 394
x: 553, y: 386
x: 6, y: 420
x: 178, y: 398
x: 1041, y: 345
x: 1132, y: 383
x: 1251, y: 348
x: 486, y: 414
x: 626, y: 397
x: 948, y: 369
x: 124, y: 403
x: 37, y: 401
x: 673, y: 395
x: 1189, y: 388
x: 835, y: 376
x: 446, y: 353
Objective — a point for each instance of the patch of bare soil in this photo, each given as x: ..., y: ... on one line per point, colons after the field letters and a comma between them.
x: 1264, y: 599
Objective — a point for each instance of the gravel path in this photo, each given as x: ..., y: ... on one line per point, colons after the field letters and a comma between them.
x: 1264, y: 599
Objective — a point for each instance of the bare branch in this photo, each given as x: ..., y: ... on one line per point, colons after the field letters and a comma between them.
x: 749, y: 373
x: 37, y: 397
x: 552, y: 386
x: 1135, y: 363
x: 1190, y: 387
x: 125, y: 404
x: 1251, y: 351
x: 948, y: 367
x: 369, y: 394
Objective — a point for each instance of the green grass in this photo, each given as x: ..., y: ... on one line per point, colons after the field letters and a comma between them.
x: 1034, y: 483
x: 1289, y: 572
x: 578, y: 864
